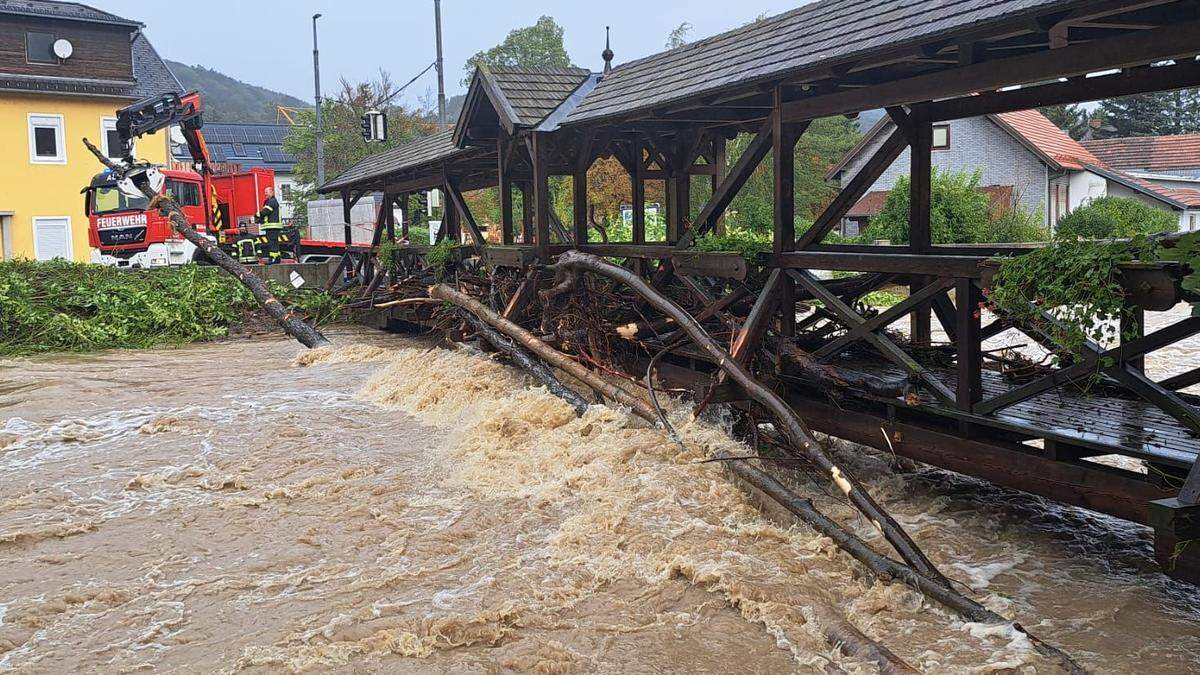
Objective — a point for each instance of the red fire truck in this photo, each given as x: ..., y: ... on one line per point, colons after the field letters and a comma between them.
x: 123, y: 230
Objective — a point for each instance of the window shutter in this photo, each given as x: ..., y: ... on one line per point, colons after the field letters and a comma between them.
x: 53, y: 238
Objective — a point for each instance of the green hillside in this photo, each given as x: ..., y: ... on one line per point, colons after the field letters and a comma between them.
x: 230, y: 100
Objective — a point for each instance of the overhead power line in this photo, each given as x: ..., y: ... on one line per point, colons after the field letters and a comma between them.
x: 392, y: 95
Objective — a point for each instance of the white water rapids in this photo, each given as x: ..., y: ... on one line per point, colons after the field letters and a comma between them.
x: 392, y: 507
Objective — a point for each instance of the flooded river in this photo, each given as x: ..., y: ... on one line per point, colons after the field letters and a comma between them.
x: 395, y: 507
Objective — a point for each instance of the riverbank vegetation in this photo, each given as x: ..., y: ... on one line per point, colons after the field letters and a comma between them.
x: 61, y: 306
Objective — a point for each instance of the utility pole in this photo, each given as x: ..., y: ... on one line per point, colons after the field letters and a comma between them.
x: 317, y: 95
x: 437, y: 25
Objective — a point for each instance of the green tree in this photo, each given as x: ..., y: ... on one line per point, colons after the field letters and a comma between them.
x: 1112, y: 217
x: 1069, y: 117
x: 532, y: 46
x: 825, y: 142
x: 679, y: 36
x: 1154, y: 114
x: 342, y: 132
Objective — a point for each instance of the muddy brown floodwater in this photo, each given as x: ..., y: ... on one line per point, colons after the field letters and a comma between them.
x: 400, y: 508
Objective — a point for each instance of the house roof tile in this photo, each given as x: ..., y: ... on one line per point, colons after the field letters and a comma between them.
x: 1047, y: 139
x: 1148, y: 153
x: 1175, y: 197
x: 70, y: 11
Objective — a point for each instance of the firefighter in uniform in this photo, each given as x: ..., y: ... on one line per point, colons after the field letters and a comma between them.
x: 272, y: 225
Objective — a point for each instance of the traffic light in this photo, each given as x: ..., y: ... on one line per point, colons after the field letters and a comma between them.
x: 374, y: 126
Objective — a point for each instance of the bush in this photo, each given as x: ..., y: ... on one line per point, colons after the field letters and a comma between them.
x: 63, y: 306
x: 746, y: 243
x: 958, y: 211
x: 1014, y: 225
x: 1115, y: 217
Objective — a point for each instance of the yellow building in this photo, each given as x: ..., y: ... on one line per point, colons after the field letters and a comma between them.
x: 65, y: 69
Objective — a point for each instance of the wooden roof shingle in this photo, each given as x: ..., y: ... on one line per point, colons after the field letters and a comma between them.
x: 433, y: 148
x: 534, y: 93
x: 806, y: 38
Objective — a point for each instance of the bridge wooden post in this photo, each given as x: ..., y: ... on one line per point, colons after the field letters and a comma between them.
x: 783, y: 152
x: 1133, y: 326
x: 389, y: 204
x: 504, y: 185
x: 541, y: 195
x: 579, y: 206
x: 526, y: 213
x: 638, y: 184
x: 450, y: 219
x: 919, y: 235
x: 718, y: 176
x: 968, y: 297
x: 405, y: 217
x: 347, y: 205
x: 1176, y: 523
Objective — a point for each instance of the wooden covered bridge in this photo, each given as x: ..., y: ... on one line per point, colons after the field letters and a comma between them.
x: 668, y: 118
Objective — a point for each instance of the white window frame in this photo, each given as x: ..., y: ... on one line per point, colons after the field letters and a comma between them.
x: 6, y: 252
x: 108, y: 124
x: 60, y: 127
x: 37, y: 255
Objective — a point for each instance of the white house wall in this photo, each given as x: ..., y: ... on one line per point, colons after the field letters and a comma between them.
x: 976, y: 143
x: 1086, y: 186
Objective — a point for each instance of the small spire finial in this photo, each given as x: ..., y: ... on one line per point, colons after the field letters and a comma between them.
x: 607, y: 54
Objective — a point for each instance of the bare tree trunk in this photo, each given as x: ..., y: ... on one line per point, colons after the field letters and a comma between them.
x: 545, y: 352
x: 291, y: 323
x: 848, y: 639
x: 797, y: 433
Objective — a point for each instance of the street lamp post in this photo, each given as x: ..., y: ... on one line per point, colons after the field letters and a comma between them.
x: 317, y: 88
x: 437, y: 26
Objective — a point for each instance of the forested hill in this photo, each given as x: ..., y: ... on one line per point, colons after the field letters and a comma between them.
x: 230, y: 100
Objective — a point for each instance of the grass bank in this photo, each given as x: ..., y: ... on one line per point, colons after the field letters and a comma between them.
x: 75, y: 307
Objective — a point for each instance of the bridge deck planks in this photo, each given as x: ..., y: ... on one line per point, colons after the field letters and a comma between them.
x: 1119, y: 425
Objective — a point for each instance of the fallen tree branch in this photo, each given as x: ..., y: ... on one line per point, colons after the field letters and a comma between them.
x: 291, y: 323
x: 527, y: 361
x: 544, y: 351
x: 403, y: 301
x: 801, y: 364
x: 572, y: 262
x: 851, y: 641
x: 882, y: 566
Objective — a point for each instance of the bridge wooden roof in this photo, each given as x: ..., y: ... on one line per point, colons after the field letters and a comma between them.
x: 830, y: 57
x: 514, y: 98
x: 424, y: 152
x: 800, y: 41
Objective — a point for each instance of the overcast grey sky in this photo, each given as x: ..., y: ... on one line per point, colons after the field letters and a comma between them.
x: 269, y: 42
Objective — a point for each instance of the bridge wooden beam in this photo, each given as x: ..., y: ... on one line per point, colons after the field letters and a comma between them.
x: 728, y: 189
x: 1176, y: 41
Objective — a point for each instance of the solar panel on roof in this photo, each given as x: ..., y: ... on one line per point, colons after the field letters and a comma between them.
x: 274, y: 154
